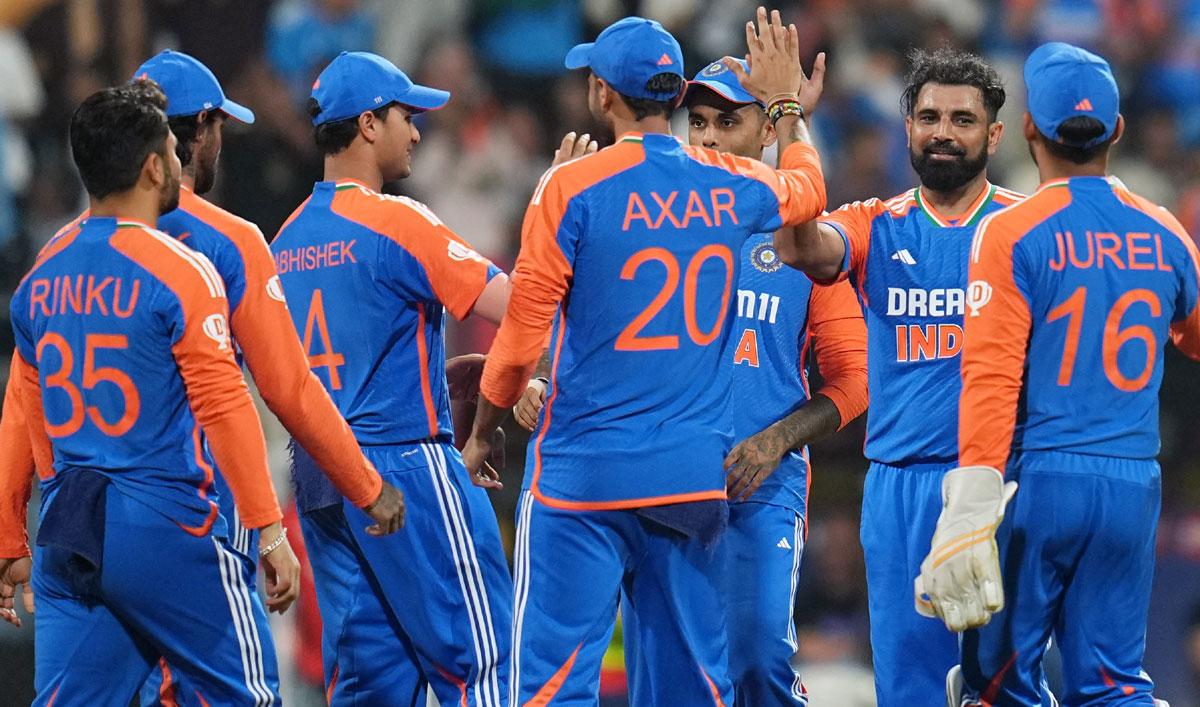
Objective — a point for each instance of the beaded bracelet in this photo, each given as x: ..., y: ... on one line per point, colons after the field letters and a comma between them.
x: 274, y: 543
x: 780, y: 108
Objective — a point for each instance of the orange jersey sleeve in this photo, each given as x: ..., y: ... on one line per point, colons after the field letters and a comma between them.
x: 542, y: 274
x: 216, y: 391
x: 263, y: 328
x: 16, y: 468
x: 853, y: 223
x: 996, y: 332
x: 456, y: 272
x: 798, y: 184
x: 840, y: 341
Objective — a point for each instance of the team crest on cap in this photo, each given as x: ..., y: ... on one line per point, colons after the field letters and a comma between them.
x: 714, y: 68
x: 764, y: 258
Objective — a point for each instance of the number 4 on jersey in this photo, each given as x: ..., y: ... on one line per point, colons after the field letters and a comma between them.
x: 328, y: 359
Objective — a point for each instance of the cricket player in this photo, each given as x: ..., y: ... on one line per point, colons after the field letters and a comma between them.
x: 369, y: 279
x: 628, y: 261
x: 781, y: 317
x: 1074, y: 293
x: 907, y: 259
x: 123, y: 358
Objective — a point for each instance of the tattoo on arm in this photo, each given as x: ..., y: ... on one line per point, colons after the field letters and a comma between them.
x: 816, y: 419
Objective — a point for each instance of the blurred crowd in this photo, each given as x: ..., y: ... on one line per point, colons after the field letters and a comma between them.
x: 512, y: 101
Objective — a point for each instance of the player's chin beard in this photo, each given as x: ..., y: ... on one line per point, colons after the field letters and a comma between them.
x: 169, y: 199
x: 946, y: 176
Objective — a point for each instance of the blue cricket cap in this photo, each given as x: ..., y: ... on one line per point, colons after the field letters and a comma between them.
x: 717, y: 78
x: 627, y: 54
x: 189, y: 86
x: 1064, y: 81
x: 356, y: 82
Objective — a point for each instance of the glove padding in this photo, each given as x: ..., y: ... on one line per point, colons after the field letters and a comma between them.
x: 960, y: 580
x: 463, y: 374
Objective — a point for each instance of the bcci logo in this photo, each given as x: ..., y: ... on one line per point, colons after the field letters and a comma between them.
x: 217, y: 329
x: 979, y: 293
x: 764, y: 258
x: 713, y: 69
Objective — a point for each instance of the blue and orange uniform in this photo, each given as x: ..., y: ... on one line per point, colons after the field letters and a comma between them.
x: 908, y: 264
x: 627, y: 267
x: 125, y: 374
x: 782, y: 319
x: 370, y: 279
x: 1074, y: 293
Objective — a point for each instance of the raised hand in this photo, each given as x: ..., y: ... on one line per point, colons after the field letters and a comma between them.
x: 573, y: 147
x: 775, y: 69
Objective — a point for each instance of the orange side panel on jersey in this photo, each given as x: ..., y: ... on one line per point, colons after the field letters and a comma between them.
x: 166, y: 690
x: 216, y: 391
x: 423, y: 358
x: 555, y: 683
x: 713, y: 688
x: 456, y: 272
x: 542, y: 274
x: 198, y: 447
x: 332, y: 685
x: 995, y: 335
x: 16, y: 469
x: 855, y: 221
x: 1185, y: 334
x: 840, y: 340
x: 263, y: 329
x: 798, y: 184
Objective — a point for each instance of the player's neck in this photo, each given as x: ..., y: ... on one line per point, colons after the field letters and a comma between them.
x: 956, y: 202
x: 134, y: 205
x: 188, y: 180
x: 649, y: 125
x: 1050, y: 169
x: 347, y: 166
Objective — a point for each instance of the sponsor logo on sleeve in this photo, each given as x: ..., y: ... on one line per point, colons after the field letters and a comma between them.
x: 979, y: 293
x: 216, y: 328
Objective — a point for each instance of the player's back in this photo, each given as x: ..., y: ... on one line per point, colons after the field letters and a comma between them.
x: 1106, y: 274
x: 363, y: 274
x: 651, y: 233
x: 103, y: 315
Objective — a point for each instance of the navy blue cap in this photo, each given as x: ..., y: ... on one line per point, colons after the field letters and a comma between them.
x: 627, y: 54
x: 189, y: 86
x: 356, y: 82
x: 1064, y: 81
x: 717, y: 78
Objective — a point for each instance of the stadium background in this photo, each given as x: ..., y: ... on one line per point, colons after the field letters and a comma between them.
x: 480, y: 157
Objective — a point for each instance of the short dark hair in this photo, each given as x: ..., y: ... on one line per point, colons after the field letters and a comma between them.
x: 665, y: 83
x: 333, y: 137
x: 953, y: 68
x: 185, y: 128
x: 1079, y: 130
x: 113, y: 131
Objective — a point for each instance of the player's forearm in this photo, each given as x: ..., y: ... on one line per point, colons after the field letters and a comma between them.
x: 814, y: 420
x: 487, y: 418
x: 812, y: 250
x: 493, y: 301
x: 223, y: 408
x: 295, y: 396
x: 792, y: 129
x: 16, y: 473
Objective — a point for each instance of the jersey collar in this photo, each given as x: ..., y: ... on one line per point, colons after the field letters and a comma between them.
x: 970, y: 217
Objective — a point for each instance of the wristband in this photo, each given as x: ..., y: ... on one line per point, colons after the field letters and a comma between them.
x: 783, y: 107
x: 274, y: 543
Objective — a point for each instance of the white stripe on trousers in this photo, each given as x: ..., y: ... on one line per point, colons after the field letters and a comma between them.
x: 797, y: 551
x: 238, y: 596
x: 521, y: 586
x: 470, y: 582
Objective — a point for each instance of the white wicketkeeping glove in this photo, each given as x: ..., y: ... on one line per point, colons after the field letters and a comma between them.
x: 961, y: 575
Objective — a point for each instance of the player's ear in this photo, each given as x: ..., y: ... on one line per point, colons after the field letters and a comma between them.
x: 995, y: 133
x: 368, y: 126
x: 1028, y: 129
x: 604, y: 94
x: 908, y: 123
x: 1119, y: 130
x: 769, y: 136
x: 154, y: 168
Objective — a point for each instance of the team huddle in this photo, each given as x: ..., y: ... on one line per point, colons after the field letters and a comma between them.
x: 655, y: 337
